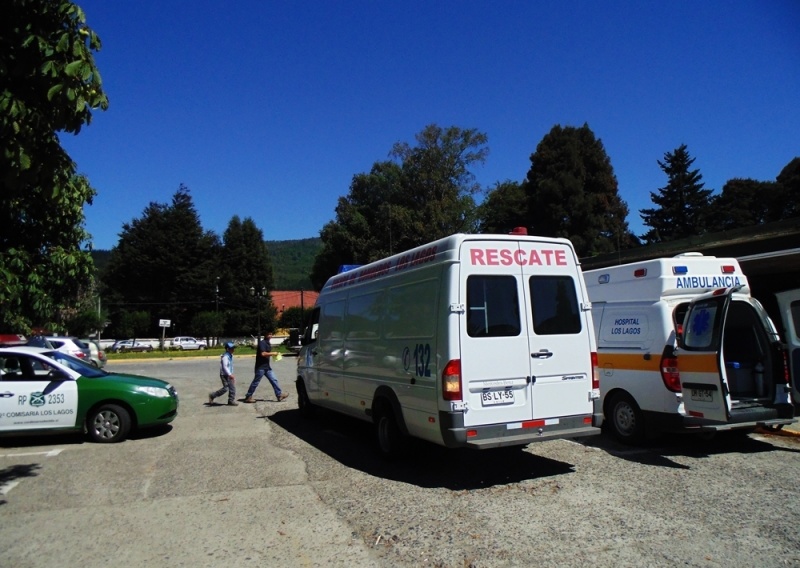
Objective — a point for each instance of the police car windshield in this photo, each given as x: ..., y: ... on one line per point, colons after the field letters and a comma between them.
x: 76, y: 364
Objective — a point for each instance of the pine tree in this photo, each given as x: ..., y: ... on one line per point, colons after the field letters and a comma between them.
x: 683, y: 204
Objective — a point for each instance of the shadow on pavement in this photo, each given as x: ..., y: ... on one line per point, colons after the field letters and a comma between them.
x: 350, y: 442
x: 660, y: 451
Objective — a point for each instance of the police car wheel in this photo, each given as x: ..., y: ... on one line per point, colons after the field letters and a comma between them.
x: 108, y: 423
x: 625, y: 419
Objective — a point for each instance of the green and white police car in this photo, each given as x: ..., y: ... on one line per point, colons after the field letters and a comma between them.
x: 46, y: 391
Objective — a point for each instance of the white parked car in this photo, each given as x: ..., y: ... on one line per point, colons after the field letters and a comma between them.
x: 185, y: 343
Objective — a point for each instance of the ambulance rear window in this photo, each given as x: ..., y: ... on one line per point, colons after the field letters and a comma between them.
x: 555, y: 305
x: 492, y: 306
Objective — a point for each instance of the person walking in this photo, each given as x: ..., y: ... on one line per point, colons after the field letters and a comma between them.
x: 263, y: 355
x: 226, y: 376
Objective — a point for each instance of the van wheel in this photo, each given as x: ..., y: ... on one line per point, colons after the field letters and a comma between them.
x: 303, y: 402
x: 625, y: 419
x: 391, y: 441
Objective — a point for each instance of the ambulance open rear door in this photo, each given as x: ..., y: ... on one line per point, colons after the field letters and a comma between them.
x: 704, y: 383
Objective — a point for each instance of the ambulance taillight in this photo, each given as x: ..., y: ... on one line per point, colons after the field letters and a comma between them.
x: 728, y: 269
x: 785, y: 366
x: 669, y: 370
x: 451, y: 380
x: 595, y: 372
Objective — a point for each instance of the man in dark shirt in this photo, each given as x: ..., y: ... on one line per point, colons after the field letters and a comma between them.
x: 263, y: 355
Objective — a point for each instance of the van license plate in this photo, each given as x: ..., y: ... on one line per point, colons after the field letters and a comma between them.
x: 702, y: 395
x: 490, y: 398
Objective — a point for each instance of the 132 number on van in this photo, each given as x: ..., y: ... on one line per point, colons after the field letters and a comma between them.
x: 422, y: 359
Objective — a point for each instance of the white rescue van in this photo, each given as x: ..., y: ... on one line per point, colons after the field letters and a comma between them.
x: 476, y: 341
x: 683, y: 347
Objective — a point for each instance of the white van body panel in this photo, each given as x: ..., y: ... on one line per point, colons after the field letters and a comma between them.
x: 636, y: 310
x: 789, y: 306
x: 386, y: 331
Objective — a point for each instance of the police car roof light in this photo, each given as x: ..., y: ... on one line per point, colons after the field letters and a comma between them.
x: 640, y: 273
x: 680, y: 270
x: 728, y: 269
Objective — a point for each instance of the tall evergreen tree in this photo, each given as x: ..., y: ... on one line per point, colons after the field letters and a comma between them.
x: 48, y: 84
x: 683, y: 205
x: 164, y: 263
x: 246, y: 278
x: 572, y: 192
x: 425, y: 194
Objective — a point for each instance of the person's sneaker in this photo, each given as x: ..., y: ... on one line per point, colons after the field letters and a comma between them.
x: 233, y: 404
x: 211, y: 398
x: 283, y: 396
x: 250, y: 399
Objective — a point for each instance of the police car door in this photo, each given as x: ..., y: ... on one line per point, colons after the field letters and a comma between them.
x: 703, y: 380
x: 35, y: 395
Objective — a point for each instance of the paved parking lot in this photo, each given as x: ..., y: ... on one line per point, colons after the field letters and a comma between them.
x: 257, y: 485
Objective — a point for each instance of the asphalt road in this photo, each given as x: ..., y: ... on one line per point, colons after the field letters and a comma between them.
x: 257, y: 485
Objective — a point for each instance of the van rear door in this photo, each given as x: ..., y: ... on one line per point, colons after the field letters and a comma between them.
x: 703, y: 380
x: 525, y: 348
x: 789, y: 304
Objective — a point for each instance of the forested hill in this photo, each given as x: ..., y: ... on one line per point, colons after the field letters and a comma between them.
x: 291, y: 262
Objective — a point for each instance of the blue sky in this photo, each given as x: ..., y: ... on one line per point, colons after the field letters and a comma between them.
x: 267, y: 109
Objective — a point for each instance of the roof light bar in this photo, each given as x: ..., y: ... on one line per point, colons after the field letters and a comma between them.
x: 680, y: 270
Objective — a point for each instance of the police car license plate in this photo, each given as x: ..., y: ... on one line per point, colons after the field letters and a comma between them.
x: 702, y: 395
x: 491, y: 398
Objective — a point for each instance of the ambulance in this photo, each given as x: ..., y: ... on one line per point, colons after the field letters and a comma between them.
x: 682, y: 346
x: 471, y: 341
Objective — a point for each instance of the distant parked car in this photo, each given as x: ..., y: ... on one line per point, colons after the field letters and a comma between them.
x: 69, y: 345
x: 98, y: 356
x: 185, y: 343
x: 129, y: 345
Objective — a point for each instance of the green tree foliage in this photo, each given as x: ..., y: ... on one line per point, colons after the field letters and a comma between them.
x: 683, y: 205
x: 48, y: 84
x: 294, y: 317
x: 505, y: 207
x: 742, y: 203
x: 292, y: 261
x: 787, y: 203
x: 572, y: 192
x: 246, y: 277
x: 164, y: 263
x: 425, y: 194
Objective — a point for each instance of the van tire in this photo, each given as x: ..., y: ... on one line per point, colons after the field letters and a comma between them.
x: 625, y: 419
x: 392, y: 442
x: 303, y: 402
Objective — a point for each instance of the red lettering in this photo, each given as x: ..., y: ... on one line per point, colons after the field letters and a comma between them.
x: 476, y: 256
x: 534, y: 259
x: 505, y: 257
x: 561, y: 258
x: 491, y: 257
x: 519, y: 257
x: 547, y: 254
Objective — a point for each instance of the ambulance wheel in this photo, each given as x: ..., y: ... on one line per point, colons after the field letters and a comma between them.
x: 303, y: 402
x: 391, y: 441
x: 108, y: 423
x: 625, y: 419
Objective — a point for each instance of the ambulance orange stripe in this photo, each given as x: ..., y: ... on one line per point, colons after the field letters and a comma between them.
x: 700, y: 363
x: 627, y: 362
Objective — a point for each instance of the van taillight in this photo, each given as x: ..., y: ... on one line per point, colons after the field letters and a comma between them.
x: 595, y: 372
x: 785, y: 367
x: 451, y: 380
x: 670, y: 373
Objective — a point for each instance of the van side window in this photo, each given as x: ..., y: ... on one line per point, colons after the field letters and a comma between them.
x: 364, y: 316
x: 492, y: 306
x: 411, y: 310
x: 555, y: 305
x: 310, y: 333
x: 331, y: 322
